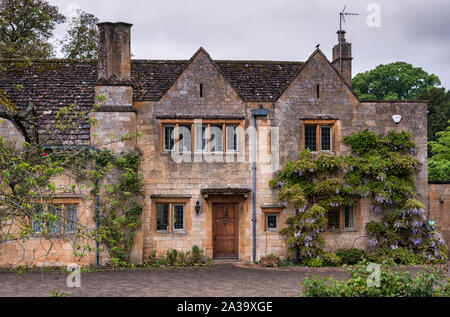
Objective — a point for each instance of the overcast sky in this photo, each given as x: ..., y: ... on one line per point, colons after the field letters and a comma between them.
x: 417, y: 32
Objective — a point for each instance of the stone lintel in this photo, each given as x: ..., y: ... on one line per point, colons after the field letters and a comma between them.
x: 164, y: 196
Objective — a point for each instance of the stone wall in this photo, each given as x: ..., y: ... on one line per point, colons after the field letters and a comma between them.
x: 59, y: 250
x: 439, y: 208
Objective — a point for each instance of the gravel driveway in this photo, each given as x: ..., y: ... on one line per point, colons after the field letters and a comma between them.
x: 221, y: 280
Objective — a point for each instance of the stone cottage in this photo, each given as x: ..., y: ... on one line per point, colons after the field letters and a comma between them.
x: 213, y: 134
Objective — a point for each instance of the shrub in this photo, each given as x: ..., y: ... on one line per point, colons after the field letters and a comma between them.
x: 393, y: 283
x: 331, y: 259
x: 314, y: 262
x: 175, y: 258
x: 400, y: 256
x: 351, y: 256
x: 270, y: 260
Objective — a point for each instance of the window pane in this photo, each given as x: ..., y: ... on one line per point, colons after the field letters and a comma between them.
x: 311, y: 138
x: 71, y: 219
x: 231, y: 138
x: 200, y: 138
x: 333, y: 219
x: 169, y: 138
x: 37, y: 224
x: 54, y: 227
x: 325, y: 138
x: 216, y: 139
x: 162, y: 217
x: 272, y: 222
x: 185, y: 138
x: 349, y: 217
x: 178, y: 217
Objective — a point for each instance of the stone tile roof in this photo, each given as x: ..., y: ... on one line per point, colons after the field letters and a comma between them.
x: 259, y: 80
x: 52, y: 84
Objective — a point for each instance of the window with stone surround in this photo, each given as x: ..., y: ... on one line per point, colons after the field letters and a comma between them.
x: 271, y: 222
x: 272, y: 219
x: 66, y: 219
x: 343, y: 218
x: 212, y: 136
x: 319, y: 135
x: 170, y: 215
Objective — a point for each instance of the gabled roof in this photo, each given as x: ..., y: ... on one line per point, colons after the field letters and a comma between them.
x: 52, y: 84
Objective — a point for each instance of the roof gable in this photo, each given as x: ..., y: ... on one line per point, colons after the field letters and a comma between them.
x: 200, y: 56
x: 319, y: 54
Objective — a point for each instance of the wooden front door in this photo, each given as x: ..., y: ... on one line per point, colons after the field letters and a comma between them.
x: 225, y: 230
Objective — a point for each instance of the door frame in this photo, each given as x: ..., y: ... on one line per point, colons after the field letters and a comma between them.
x: 236, y: 233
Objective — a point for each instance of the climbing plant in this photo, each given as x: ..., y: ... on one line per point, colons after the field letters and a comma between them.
x: 118, y: 201
x: 380, y: 167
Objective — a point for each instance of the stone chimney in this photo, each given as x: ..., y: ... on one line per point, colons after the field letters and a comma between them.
x: 342, y: 57
x: 114, y: 56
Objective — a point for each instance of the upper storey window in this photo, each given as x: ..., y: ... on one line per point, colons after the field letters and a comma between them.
x: 318, y: 135
x: 213, y: 136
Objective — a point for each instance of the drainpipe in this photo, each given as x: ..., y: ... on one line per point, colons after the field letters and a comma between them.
x: 97, y: 255
x: 261, y: 112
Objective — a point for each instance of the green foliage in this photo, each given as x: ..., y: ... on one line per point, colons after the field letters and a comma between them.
x: 380, y: 167
x: 438, y: 111
x: 407, y: 229
x: 175, y: 258
x: 351, y: 256
x: 26, y: 27
x: 393, y: 283
x: 332, y: 259
x: 313, y: 262
x: 400, y: 256
x: 395, y: 81
x: 439, y: 163
x: 81, y: 40
x: 55, y: 293
x: 119, y: 208
x: 303, y: 230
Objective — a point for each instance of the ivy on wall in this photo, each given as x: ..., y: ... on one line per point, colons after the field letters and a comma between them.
x: 381, y: 167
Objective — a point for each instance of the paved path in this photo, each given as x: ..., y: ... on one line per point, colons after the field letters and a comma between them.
x: 227, y: 280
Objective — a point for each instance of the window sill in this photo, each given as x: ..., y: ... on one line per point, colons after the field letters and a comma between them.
x: 201, y: 153
x: 338, y: 231
x: 171, y: 232
x: 323, y: 152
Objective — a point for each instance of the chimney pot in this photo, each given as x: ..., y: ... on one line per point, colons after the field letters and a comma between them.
x: 342, y: 57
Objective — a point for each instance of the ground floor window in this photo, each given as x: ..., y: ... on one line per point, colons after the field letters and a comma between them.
x: 170, y: 217
x: 65, y: 219
x: 342, y: 218
x: 271, y: 222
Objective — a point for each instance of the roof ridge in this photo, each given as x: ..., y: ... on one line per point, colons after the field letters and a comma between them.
x: 257, y: 61
x: 49, y: 60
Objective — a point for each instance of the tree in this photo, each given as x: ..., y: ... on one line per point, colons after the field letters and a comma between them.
x: 395, y: 81
x: 26, y: 27
x: 81, y: 40
x: 438, y: 111
x: 439, y: 164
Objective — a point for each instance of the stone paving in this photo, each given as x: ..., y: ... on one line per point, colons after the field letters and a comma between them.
x: 223, y: 280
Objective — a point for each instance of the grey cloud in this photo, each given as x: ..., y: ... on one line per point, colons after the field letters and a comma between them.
x: 411, y: 31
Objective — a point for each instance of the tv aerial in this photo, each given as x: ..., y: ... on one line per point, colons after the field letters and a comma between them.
x: 342, y: 20
x: 342, y: 16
